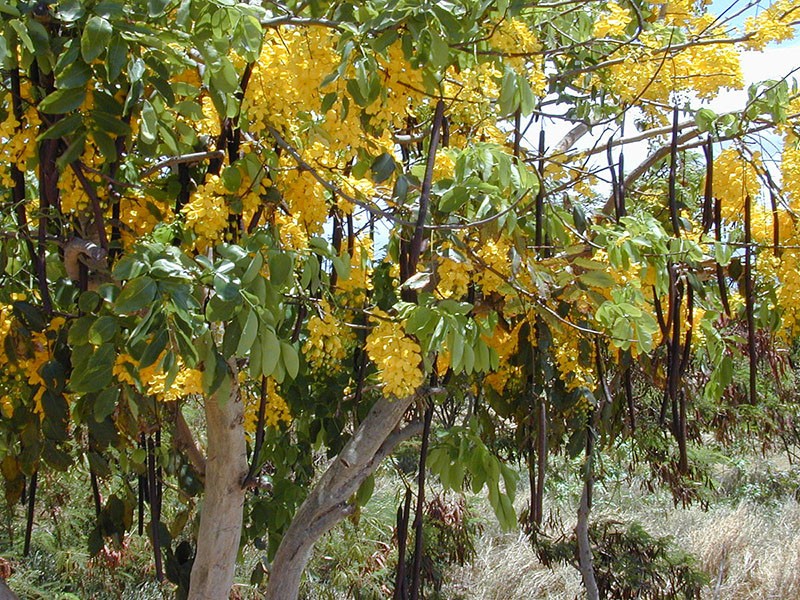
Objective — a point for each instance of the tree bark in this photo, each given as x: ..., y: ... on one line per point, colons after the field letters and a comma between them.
x: 328, y: 502
x: 6, y: 593
x: 223, y: 504
x: 584, y: 546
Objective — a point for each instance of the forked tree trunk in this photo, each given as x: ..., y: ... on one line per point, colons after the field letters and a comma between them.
x: 327, y: 504
x: 223, y: 504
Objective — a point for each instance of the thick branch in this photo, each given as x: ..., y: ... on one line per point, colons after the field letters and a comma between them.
x: 376, y: 437
x: 184, y: 441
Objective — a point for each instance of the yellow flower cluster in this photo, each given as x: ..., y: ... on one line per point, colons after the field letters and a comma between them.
x: 276, y: 410
x: 453, y: 276
x: 403, y: 86
x: 495, y: 255
x: 773, y: 25
x: 207, y: 211
x: 789, y: 291
x: 152, y: 379
x: 735, y: 177
x: 474, y: 91
x: 505, y: 343
x: 17, y: 143
x: 6, y: 407
x: 210, y: 123
x: 139, y: 220
x: 356, y: 286
x: 124, y: 367
x: 643, y: 72
x: 74, y: 198
x: 396, y: 356
x: 790, y: 166
x: 574, y: 370
x: 515, y: 37
x: 187, y: 382
x: 327, y: 341
x: 41, y: 353
x: 306, y: 199
x: 678, y: 12
x: 443, y: 164
x: 613, y: 21
x: 286, y: 78
x: 5, y: 330
x: 293, y: 235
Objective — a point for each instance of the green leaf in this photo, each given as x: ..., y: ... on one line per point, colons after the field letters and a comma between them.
x: 270, y: 351
x: 53, y: 375
x: 365, y: 490
x: 249, y: 333
x: 61, y: 128
x: 9, y: 9
x: 342, y: 266
x: 705, y: 118
x: 103, y: 330
x: 95, y: 38
x: 105, y: 403
x: 70, y: 11
x: 79, y: 332
x: 382, y: 167
x: 290, y: 359
x: 154, y: 349
x: 116, y: 57
x: 110, y: 123
x: 62, y: 101
x: 74, y: 76
x: 93, y: 369
x: 280, y: 267
x: 224, y: 77
x: 137, y: 294
x: 253, y: 269
x: 149, y: 123
x: 73, y: 151
x: 155, y: 8
x: 254, y: 366
x: 440, y: 51
x: 599, y: 279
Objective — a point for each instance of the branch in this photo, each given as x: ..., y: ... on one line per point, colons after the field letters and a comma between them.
x: 194, y: 157
x: 184, y: 441
x: 96, y: 209
x: 425, y: 192
x: 375, y: 210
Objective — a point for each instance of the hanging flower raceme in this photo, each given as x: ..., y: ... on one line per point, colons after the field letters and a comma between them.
x: 397, y: 356
x: 327, y: 341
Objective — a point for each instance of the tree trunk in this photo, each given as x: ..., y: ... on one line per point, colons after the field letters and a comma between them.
x: 328, y: 502
x: 223, y: 505
x: 585, y: 562
x: 6, y: 593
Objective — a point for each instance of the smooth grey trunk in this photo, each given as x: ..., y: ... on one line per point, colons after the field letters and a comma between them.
x: 6, y: 593
x: 584, y: 546
x: 328, y: 503
x: 223, y: 505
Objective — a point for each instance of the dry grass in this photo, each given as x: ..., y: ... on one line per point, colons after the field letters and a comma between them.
x: 750, y: 551
x: 507, y: 569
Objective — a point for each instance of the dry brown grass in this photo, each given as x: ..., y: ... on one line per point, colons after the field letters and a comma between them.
x: 750, y: 552
x: 506, y: 568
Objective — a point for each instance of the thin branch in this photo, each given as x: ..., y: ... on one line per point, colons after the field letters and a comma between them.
x: 193, y: 157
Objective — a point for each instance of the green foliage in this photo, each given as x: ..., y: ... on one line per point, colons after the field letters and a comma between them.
x: 460, y: 459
